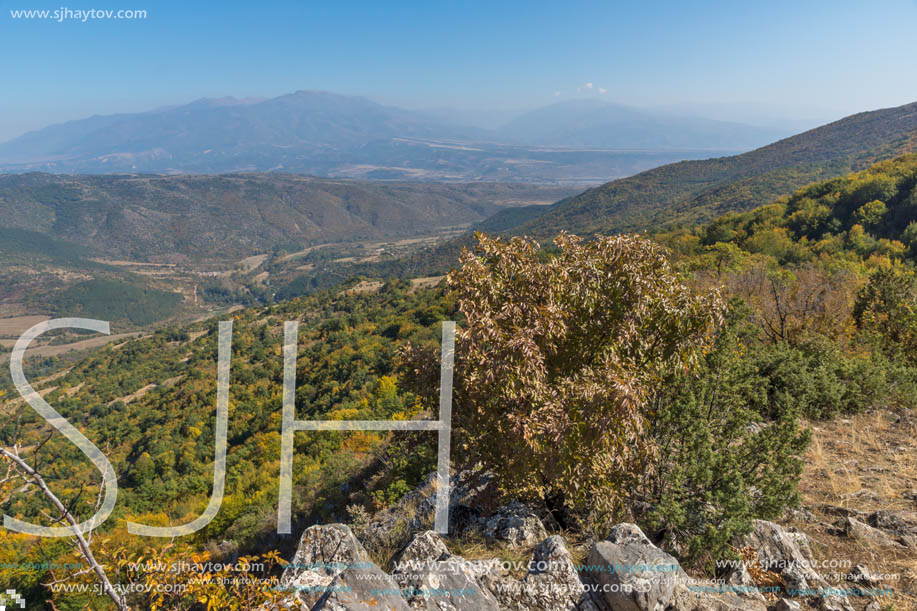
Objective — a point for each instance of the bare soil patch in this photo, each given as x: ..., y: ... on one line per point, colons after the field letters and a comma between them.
x: 14, y: 327
x: 859, y: 465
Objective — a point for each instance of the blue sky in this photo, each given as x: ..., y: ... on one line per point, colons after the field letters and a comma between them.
x: 798, y: 59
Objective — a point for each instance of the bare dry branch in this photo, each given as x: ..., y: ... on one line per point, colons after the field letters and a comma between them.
x: 83, y: 545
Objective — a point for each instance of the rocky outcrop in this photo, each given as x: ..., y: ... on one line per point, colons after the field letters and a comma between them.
x: 432, y: 579
x: 551, y: 584
x: 855, y: 529
x: 739, y: 581
x: 902, y: 525
x: 688, y: 599
x: 890, y: 528
x: 631, y: 572
x: 324, y: 552
x: 332, y: 571
x: 862, y: 576
x: 515, y: 525
x: 788, y: 553
x: 394, y: 526
x: 553, y: 573
x: 362, y: 588
x: 425, y: 547
x: 448, y: 584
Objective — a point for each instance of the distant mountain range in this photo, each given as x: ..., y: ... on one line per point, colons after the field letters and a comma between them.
x: 341, y: 136
x: 209, y: 216
x: 694, y: 191
x: 147, y: 217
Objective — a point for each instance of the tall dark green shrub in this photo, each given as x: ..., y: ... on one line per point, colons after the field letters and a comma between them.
x: 721, y: 464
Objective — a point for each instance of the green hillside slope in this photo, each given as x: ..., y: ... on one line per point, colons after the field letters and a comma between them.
x: 193, y: 218
x: 803, y: 337
x: 694, y: 191
x: 150, y: 403
x: 869, y: 216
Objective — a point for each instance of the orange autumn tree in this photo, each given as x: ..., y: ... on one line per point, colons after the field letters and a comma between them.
x: 556, y: 358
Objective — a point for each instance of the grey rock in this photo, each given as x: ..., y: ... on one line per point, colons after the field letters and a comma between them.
x: 832, y: 604
x: 448, y: 584
x: 855, y: 529
x: 785, y: 604
x: 864, y: 494
x: 627, y: 534
x: 803, y: 515
x: 862, y: 576
x: 394, y: 526
x: 739, y: 581
x: 515, y: 525
x: 324, y: 552
x: 553, y: 581
x: 797, y: 578
x: 426, y: 571
x: 358, y: 589
x: 788, y: 553
x: 326, y: 548
x: 427, y: 546
x: 843, y: 511
x: 551, y: 584
x: 778, y: 547
x: 636, y: 575
x: 686, y: 599
x: 900, y: 524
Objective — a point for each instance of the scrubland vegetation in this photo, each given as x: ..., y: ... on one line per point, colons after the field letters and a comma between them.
x: 666, y: 379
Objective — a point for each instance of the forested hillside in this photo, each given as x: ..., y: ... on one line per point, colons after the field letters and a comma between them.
x: 868, y: 217
x: 693, y: 191
x: 151, y: 403
x: 216, y: 217
x: 798, y: 312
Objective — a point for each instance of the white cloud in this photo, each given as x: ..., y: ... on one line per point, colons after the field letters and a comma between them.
x: 556, y: 94
x: 602, y: 90
x: 588, y: 85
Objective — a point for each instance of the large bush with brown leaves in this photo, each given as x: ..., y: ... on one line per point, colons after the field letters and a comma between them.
x: 557, y: 357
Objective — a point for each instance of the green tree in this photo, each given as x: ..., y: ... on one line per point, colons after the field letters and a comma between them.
x: 870, y: 214
x: 887, y: 308
x: 720, y: 464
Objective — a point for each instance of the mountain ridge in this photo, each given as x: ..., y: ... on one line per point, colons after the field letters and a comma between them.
x: 146, y: 217
x: 328, y: 134
x: 695, y: 191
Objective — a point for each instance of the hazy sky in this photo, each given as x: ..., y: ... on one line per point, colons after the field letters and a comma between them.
x: 800, y: 59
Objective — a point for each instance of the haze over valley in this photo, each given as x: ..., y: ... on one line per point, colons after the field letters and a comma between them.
x: 325, y: 134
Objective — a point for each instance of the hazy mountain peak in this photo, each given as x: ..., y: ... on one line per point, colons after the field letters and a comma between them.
x: 326, y: 133
x: 222, y: 101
